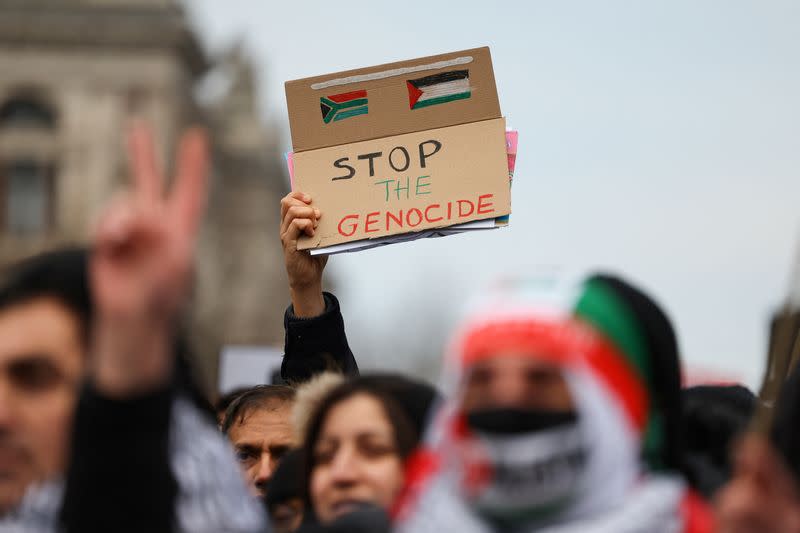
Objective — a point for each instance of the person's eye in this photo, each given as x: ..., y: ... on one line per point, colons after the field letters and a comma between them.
x: 244, y: 456
x: 480, y: 376
x: 324, y: 456
x: 377, y: 448
x: 542, y: 377
x: 35, y: 374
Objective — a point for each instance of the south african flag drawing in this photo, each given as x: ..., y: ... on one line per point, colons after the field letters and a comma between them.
x: 342, y: 106
x: 438, y: 89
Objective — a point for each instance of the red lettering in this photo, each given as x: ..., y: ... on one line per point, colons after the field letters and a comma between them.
x: 353, y: 227
x: 397, y: 220
x: 461, y: 213
x: 370, y: 220
x: 427, y: 215
x: 350, y: 225
x: 484, y: 208
x: 408, y: 217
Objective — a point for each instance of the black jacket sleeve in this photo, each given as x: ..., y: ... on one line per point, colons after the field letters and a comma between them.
x: 317, y: 344
x: 108, y: 489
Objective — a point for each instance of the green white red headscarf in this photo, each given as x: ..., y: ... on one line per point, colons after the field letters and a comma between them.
x: 590, y: 332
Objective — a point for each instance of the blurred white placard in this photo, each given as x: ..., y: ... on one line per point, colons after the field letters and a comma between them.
x: 245, y: 366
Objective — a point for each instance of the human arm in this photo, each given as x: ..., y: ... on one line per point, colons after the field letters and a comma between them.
x: 315, y: 335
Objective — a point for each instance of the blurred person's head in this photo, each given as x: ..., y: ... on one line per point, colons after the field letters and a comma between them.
x: 714, y: 417
x: 258, y: 425
x: 284, y: 498
x: 357, y: 441
x: 558, y: 401
x: 45, y: 311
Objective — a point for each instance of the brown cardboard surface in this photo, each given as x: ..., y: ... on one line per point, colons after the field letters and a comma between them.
x: 388, y: 109
x: 465, y: 179
x: 783, y: 344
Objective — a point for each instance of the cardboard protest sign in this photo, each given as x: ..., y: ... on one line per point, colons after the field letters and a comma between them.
x: 421, y: 180
x: 400, y: 148
x: 512, y: 141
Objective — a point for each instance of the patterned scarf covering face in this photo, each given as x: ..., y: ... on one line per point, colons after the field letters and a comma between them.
x: 558, y: 466
x: 520, y: 471
x: 513, y: 475
x: 532, y: 461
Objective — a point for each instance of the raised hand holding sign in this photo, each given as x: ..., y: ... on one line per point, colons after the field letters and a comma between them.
x: 299, y: 218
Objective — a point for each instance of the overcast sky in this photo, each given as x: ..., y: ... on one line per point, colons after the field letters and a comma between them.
x: 658, y: 138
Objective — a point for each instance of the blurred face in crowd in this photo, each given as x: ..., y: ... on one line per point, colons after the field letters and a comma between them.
x: 41, y: 363
x: 261, y: 437
x: 516, y: 380
x: 356, y: 459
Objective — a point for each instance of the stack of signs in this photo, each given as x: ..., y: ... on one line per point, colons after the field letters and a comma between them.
x: 400, y: 151
x: 783, y: 355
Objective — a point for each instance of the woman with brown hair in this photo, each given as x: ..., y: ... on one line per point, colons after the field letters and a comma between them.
x: 355, y: 447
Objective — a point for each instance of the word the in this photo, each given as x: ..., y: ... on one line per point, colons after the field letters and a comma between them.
x: 422, y: 187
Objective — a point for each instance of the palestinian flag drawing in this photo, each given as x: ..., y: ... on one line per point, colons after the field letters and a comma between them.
x: 438, y: 89
x: 342, y: 106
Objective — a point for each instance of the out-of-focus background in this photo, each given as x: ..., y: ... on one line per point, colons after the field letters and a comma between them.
x: 659, y: 139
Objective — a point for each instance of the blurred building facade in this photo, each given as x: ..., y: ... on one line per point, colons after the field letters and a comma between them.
x: 72, y: 75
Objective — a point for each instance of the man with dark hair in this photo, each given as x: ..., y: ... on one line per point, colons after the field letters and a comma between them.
x: 156, y: 461
x: 258, y: 425
x: 156, y: 464
x: 258, y: 421
x: 99, y: 427
x: 224, y: 401
x: 44, y: 320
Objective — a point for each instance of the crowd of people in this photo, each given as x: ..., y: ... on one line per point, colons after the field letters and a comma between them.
x: 560, y: 407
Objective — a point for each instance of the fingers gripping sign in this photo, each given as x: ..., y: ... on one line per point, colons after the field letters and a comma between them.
x: 299, y: 217
x: 142, y: 263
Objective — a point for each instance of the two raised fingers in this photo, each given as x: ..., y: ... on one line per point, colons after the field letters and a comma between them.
x: 185, y: 203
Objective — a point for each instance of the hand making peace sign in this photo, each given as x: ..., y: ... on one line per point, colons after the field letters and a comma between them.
x: 144, y: 243
x: 142, y: 264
